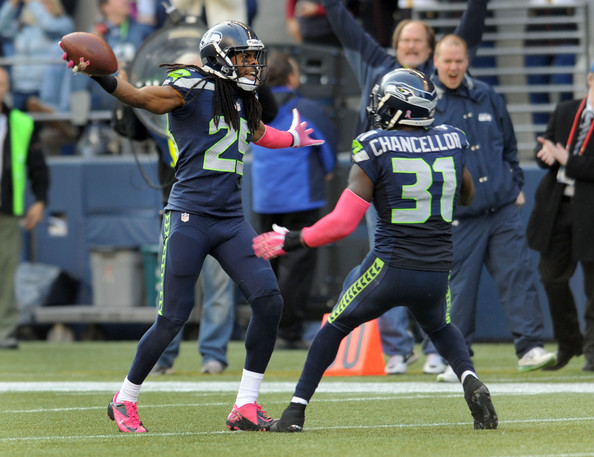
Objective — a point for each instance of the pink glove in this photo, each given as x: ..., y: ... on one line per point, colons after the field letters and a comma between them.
x: 270, y: 244
x: 69, y: 63
x: 301, y: 133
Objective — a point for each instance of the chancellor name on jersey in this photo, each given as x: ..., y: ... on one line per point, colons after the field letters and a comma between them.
x: 419, y: 183
x: 414, y: 144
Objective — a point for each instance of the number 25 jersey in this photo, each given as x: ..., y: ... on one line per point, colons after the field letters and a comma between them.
x: 209, y: 156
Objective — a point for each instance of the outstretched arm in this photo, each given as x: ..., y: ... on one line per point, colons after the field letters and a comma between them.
x: 472, y: 24
x: 363, y: 53
x: 340, y: 223
x: 155, y: 99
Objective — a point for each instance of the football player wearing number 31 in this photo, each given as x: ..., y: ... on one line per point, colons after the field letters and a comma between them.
x: 204, y: 212
x: 414, y: 174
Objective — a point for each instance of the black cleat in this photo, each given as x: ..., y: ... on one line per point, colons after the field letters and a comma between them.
x: 478, y: 398
x: 291, y: 421
x: 563, y: 357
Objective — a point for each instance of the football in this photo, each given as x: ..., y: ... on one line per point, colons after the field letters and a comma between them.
x: 90, y: 53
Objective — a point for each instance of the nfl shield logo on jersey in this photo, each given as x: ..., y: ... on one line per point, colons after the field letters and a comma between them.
x: 185, y: 217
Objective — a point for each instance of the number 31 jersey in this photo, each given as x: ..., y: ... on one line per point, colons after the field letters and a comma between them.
x: 417, y: 177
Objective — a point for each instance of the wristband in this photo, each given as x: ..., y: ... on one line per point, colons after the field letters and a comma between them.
x: 108, y: 83
x: 293, y: 241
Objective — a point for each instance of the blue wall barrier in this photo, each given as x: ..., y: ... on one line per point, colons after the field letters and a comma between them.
x: 105, y: 202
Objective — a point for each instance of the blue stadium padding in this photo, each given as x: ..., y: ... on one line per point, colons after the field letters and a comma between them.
x: 106, y: 202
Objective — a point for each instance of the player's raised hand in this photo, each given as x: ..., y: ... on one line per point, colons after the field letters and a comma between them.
x: 269, y: 245
x: 301, y: 134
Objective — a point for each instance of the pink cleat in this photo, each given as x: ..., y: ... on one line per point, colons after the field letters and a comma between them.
x: 249, y: 417
x: 125, y: 415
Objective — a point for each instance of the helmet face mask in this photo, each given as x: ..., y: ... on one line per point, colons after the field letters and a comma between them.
x: 231, y: 50
x: 402, y: 97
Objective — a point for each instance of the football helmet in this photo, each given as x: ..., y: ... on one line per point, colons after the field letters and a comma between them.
x: 402, y: 97
x: 233, y: 39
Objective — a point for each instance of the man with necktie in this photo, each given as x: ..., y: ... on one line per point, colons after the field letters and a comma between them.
x: 561, y: 225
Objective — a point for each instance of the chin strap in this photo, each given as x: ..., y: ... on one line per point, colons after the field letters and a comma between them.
x: 247, y: 84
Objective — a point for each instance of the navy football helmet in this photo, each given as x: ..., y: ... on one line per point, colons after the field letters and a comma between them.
x: 402, y: 97
x: 228, y: 39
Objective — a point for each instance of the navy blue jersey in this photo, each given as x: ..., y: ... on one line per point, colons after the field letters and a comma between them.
x: 417, y: 177
x: 209, y: 157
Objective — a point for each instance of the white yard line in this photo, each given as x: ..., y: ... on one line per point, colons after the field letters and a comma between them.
x: 513, y: 388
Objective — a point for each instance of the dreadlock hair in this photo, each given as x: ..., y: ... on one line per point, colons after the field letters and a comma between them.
x: 225, y: 93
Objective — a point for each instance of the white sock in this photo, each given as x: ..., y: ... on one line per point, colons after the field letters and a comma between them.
x: 129, y: 391
x: 299, y: 400
x: 249, y: 388
x: 466, y: 373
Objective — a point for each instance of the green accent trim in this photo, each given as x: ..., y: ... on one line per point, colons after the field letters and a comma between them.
x: 124, y: 30
x: 171, y: 144
x: 448, y: 318
x: 357, y: 147
x: 176, y: 74
x: 166, y: 230
x: 21, y: 130
x: 356, y: 288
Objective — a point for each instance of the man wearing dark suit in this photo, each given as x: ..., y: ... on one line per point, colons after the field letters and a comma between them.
x: 561, y: 225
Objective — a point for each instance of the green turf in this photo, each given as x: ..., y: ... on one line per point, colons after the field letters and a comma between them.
x: 371, y: 423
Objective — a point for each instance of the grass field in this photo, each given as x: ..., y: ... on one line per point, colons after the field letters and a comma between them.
x: 54, y: 398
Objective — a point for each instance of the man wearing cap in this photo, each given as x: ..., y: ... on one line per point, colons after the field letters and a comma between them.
x: 561, y: 225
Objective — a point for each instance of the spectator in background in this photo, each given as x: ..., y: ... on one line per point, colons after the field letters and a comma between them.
x: 489, y: 232
x: 562, y: 222
x: 21, y: 159
x: 288, y: 189
x: 307, y: 23
x: 123, y: 34
x: 6, y: 43
x: 413, y: 43
x: 145, y: 11
x: 379, y: 18
x: 216, y: 11
x: 35, y: 28
x: 540, y: 62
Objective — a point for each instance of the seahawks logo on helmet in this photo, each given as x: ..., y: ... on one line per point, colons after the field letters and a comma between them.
x: 402, y: 97
x: 211, y: 36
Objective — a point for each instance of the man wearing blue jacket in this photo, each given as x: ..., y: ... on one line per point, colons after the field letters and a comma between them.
x: 414, y: 43
x: 489, y: 232
x: 288, y: 187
